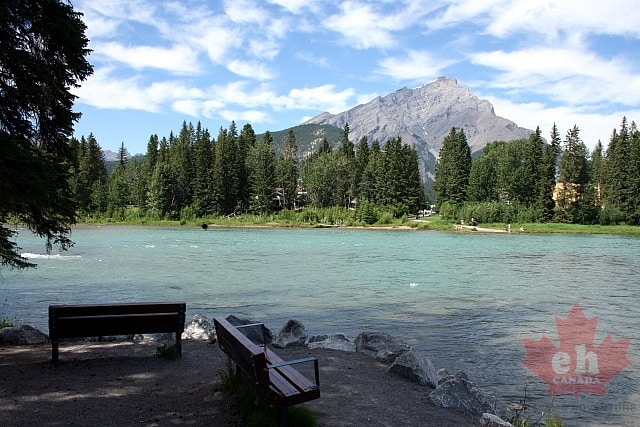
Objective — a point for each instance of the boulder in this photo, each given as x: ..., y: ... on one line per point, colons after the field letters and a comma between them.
x: 491, y: 420
x: 293, y: 333
x: 334, y: 342
x: 415, y: 367
x: 443, y: 375
x: 383, y: 347
x: 199, y: 328
x: 460, y: 393
x: 24, y: 334
x: 259, y: 334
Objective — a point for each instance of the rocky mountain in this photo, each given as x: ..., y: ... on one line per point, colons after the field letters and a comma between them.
x: 423, y: 116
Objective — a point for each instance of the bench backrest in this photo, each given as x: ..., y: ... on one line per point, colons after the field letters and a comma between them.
x: 71, y: 321
x: 247, y: 356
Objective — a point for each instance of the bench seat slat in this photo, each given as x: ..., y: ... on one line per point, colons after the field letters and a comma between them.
x: 302, y: 382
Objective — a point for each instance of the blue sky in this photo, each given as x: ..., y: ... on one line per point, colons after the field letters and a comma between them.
x: 276, y: 63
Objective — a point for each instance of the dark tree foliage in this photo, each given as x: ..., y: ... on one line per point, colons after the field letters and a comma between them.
x: 262, y: 160
x: 288, y: 170
x: 548, y: 171
x: 246, y: 142
x: 43, y: 51
x: 453, y: 168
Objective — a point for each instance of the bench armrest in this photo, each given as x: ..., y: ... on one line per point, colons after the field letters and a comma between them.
x: 303, y: 360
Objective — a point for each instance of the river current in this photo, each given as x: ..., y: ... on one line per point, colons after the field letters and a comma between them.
x: 465, y: 300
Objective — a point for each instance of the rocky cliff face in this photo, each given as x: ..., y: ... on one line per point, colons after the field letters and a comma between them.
x: 423, y: 116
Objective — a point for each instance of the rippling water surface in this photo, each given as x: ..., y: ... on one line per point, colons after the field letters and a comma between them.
x: 467, y: 300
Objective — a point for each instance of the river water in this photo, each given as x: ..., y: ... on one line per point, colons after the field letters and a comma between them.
x: 466, y: 300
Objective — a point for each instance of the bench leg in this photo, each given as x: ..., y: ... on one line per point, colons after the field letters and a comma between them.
x: 54, y: 350
x: 283, y: 416
x: 179, y: 343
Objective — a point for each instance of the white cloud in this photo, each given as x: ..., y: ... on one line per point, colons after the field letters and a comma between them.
x: 593, y: 126
x: 569, y: 17
x: 361, y: 25
x: 415, y: 66
x: 252, y: 70
x: 178, y: 59
x: 567, y: 75
x: 251, y: 116
x: 321, y: 98
x: 293, y: 6
x: 245, y: 12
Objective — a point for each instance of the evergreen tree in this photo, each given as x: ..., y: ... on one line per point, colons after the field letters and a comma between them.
x: 92, y: 176
x: 617, y: 191
x: 118, y: 187
x: 288, y: 170
x: 373, y: 175
x: 246, y: 142
x: 361, y: 161
x: 597, y: 171
x: 573, y: 173
x: 483, y: 179
x: 263, y: 177
x: 346, y: 145
x: 151, y: 158
x: 180, y: 155
x: 43, y: 50
x: 225, y: 180
x: 453, y: 168
x: 534, y: 173
x: 634, y: 176
x: 202, y: 173
x: 161, y: 194
x: 549, y: 172
x: 325, y: 147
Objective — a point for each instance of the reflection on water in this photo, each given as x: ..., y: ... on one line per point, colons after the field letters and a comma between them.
x: 465, y: 300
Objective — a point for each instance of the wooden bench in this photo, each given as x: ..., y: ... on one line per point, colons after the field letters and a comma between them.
x: 275, y: 378
x: 99, y: 320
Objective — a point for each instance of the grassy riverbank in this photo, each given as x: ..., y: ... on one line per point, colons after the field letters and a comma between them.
x: 341, y: 218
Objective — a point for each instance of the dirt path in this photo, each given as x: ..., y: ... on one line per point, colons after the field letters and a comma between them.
x: 126, y: 384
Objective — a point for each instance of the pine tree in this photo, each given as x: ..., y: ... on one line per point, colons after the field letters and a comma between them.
x: 263, y: 178
x: 225, y: 181
x: 246, y: 142
x: 534, y: 174
x: 118, y: 187
x: 549, y: 172
x: 43, y: 50
x: 346, y: 145
x: 92, y: 176
x: 573, y: 174
x: 453, y: 169
x: 202, y: 172
x: 288, y: 170
x: 617, y: 191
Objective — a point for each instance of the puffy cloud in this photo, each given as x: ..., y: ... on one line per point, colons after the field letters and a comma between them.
x: 569, y: 76
x: 179, y: 59
x: 251, y: 70
x: 415, y: 66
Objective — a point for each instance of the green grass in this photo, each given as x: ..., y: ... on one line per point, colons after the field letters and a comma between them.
x: 339, y: 217
x: 252, y: 409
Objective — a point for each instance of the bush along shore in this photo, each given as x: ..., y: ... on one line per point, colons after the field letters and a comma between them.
x: 452, y: 391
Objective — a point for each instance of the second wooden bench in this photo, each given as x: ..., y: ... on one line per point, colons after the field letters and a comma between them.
x: 276, y: 379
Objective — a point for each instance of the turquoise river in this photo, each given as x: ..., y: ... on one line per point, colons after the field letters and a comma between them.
x: 465, y: 300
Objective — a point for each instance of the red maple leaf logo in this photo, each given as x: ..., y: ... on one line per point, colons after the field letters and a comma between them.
x: 577, y: 365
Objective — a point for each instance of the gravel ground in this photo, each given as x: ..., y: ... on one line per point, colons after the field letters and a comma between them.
x: 124, y: 384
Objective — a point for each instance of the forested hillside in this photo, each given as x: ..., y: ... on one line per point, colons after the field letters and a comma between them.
x: 193, y: 175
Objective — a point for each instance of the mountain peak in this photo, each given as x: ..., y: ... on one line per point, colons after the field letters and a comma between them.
x: 423, y: 116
